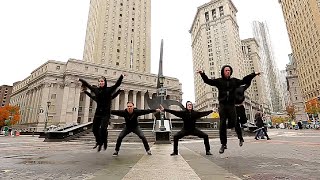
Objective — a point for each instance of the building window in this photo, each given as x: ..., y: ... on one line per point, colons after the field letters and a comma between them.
x: 117, y: 63
x: 214, y: 14
x: 58, y: 68
x: 206, y: 15
x: 221, y: 11
x: 53, y: 96
x: 118, y: 50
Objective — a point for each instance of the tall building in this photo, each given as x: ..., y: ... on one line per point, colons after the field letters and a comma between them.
x: 117, y: 41
x: 215, y: 42
x: 5, y: 94
x: 119, y: 34
x: 295, y: 90
x: 252, y: 63
x: 284, y: 93
x: 269, y: 68
x: 303, y: 24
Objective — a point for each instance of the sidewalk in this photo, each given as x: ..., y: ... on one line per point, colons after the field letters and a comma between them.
x: 161, y: 166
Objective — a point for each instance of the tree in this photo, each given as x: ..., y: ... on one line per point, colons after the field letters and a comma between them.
x: 313, y: 107
x: 291, y: 112
x: 277, y: 120
x: 11, y: 113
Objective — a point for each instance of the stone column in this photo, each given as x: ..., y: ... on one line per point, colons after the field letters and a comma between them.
x: 126, y: 94
x: 142, y: 102
x: 116, y: 104
x: 76, y: 102
x: 64, y: 104
x: 43, y: 104
x: 134, y: 97
x: 85, y: 108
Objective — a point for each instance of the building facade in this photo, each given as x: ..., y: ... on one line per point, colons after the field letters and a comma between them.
x: 5, y: 94
x: 294, y: 89
x: 255, y: 94
x: 57, y: 83
x: 269, y: 68
x: 215, y: 42
x: 302, y: 19
x: 119, y: 34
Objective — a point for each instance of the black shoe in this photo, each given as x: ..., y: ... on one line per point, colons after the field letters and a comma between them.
x: 105, y: 145
x: 223, y: 147
x: 149, y: 152
x: 241, y: 142
x: 173, y: 154
x: 115, y: 153
x: 208, y: 153
x: 95, y: 146
x: 268, y: 138
x: 256, y: 138
x: 99, y: 148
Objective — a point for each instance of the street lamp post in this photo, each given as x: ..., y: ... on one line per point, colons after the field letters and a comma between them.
x: 161, y: 93
x: 47, y: 116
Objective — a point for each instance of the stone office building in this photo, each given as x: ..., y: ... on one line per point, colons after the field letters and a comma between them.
x: 52, y: 95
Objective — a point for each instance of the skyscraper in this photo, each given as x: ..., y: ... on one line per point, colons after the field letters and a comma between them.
x: 269, y: 68
x: 303, y: 24
x: 215, y: 42
x: 119, y: 34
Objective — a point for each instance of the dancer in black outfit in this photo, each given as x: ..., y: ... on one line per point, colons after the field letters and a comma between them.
x: 240, y: 110
x: 101, y: 118
x: 132, y: 125
x: 189, y: 117
x: 227, y: 111
x: 92, y: 96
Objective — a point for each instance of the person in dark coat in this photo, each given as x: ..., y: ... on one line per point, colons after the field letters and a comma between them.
x: 131, y: 115
x: 260, y: 125
x: 189, y: 117
x: 240, y: 110
x: 226, y: 86
x: 93, y: 97
x: 102, y: 114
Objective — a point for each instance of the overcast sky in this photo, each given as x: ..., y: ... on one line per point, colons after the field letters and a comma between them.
x: 34, y: 31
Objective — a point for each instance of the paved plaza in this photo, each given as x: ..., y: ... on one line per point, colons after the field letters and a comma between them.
x: 290, y: 154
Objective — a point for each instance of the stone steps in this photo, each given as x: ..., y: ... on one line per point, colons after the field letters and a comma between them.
x: 113, y: 135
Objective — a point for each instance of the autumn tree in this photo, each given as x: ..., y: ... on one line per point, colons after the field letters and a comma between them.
x: 291, y: 112
x: 11, y: 113
x: 277, y: 120
x: 313, y: 106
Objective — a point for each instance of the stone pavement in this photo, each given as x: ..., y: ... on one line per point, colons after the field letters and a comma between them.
x: 289, y: 155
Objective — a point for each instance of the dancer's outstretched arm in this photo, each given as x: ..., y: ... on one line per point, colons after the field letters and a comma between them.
x: 211, y: 82
x: 117, y: 84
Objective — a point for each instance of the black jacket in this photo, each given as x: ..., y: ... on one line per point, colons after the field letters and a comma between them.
x: 259, y: 122
x: 132, y: 119
x: 227, y: 86
x: 239, y: 92
x: 93, y: 96
x: 189, y: 117
x: 103, y: 95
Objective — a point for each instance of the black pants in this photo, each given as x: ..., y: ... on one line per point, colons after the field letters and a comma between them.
x: 99, y: 129
x: 186, y: 132
x: 135, y: 130
x: 241, y: 114
x: 228, y: 112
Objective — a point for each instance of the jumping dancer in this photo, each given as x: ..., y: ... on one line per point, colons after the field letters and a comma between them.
x: 226, y: 87
x: 101, y: 118
x: 240, y: 110
x: 189, y: 117
x: 132, y: 125
x: 93, y: 97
